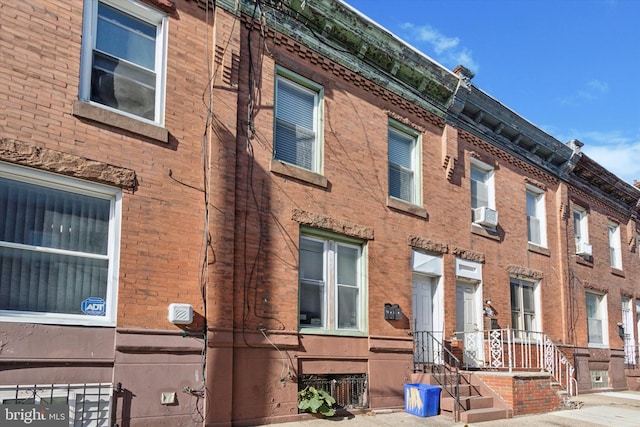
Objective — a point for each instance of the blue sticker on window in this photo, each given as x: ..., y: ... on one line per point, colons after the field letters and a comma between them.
x: 94, y: 306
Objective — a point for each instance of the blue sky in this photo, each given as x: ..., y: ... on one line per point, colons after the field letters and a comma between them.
x: 571, y: 67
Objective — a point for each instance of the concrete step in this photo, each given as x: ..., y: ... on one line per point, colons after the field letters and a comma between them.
x: 467, y: 403
x: 467, y: 390
x: 483, y: 414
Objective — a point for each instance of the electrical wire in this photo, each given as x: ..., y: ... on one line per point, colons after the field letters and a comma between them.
x: 284, y: 359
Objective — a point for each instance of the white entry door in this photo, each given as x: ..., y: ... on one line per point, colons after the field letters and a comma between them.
x: 468, y: 324
x: 423, y: 303
x: 423, y: 290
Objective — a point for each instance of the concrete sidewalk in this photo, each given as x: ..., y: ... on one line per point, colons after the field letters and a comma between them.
x: 615, y: 409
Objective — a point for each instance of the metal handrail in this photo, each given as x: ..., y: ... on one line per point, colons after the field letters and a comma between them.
x: 431, y: 355
x: 517, y: 349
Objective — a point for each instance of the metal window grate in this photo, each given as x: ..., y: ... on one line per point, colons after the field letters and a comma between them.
x: 350, y: 391
x: 89, y: 403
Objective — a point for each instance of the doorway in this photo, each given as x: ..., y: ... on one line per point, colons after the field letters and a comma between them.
x: 469, y: 323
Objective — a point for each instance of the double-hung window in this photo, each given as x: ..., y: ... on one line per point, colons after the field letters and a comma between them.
x: 298, y: 118
x: 523, y: 306
x: 404, y: 163
x: 483, y: 202
x: 536, y: 220
x: 59, y: 240
x: 124, y: 47
x: 615, y: 248
x: 330, y: 284
x: 597, y: 319
x: 580, y: 230
x: 482, y: 193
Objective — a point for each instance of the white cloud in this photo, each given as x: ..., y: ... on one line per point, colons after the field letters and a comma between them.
x: 591, y: 90
x: 444, y: 49
x: 598, y: 86
x: 616, y: 152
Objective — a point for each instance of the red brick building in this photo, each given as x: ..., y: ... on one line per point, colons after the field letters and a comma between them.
x: 269, y: 196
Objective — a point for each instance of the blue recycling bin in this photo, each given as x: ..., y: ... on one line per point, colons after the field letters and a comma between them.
x: 422, y: 400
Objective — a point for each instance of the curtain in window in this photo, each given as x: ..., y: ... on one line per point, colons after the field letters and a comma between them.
x: 594, y: 322
x: 523, y: 308
x: 312, y: 284
x: 123, y: 71
x: 533, y: 222
x: 348, y: 290
x: 401, y: 174
x: 479, y: 188
x: 295, y: 131
x: 614, y: 246
x: 53, y: 248
x: 577, y: 227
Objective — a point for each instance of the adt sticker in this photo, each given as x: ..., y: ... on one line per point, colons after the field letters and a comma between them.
x: 93, y: 306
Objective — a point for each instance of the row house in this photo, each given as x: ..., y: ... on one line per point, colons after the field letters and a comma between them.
x: 209, y: 205
x: 103, y: 117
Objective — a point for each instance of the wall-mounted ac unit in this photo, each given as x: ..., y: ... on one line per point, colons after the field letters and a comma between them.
x: 485, y: 216
x: 584, y: 249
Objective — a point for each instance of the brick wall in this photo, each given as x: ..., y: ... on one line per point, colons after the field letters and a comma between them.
x: 162, y: 224
x: 525, y: 394
x: 355, y: 165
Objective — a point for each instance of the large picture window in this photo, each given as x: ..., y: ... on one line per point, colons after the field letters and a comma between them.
x: 123, y: 58
x: 58, y: 248
x: 331, y: 294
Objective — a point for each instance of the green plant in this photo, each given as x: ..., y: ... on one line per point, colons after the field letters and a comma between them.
x: 316, y: 401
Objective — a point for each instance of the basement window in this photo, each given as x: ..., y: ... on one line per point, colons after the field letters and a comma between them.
x: 350, y: 391
x: 599, y: 379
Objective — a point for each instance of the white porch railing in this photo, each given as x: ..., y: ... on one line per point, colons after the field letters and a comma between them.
x: 511, y: 349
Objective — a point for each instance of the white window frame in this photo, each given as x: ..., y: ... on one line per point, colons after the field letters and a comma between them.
x: 287, y: 77
x: 415, y: 160
x: 580, y: 226
x: 615, y: 245
x: 488, y: 181
x: 536, y: 325
x: 60, y: 182
x: 89, y: 29
x: 538, y: 216
x: 329, y: 322
x: 601, y: 315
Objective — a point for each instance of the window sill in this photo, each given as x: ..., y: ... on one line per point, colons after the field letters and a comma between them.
x: 292, y: 171
x: 56, y: 319
x: 484, y: 232
x: 407, y: 207
x: 331, y: 332
x: 538, y: 249
x: 98, y: 114
x: 617, y: 272
x: 590, y: 345
x: 587, y: 262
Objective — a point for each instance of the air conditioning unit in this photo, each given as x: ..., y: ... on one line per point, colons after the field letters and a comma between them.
x: 485, y: 216
x: 584, y: 249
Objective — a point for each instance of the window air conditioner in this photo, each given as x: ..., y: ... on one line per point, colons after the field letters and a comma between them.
x: 584, y: 249
x: 485, y: 216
